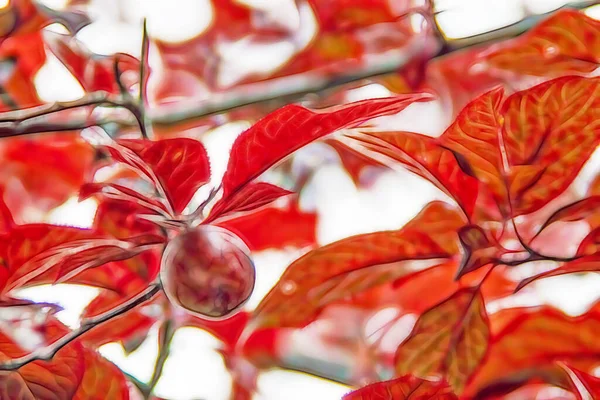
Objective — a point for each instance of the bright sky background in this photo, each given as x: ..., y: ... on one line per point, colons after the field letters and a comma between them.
x: 194, y: 370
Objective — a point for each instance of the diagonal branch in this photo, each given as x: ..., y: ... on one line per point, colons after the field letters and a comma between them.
x: 31, y: 120
x: 48, y: 352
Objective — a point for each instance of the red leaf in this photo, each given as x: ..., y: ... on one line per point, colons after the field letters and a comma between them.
x: 356, y: 264
x: 353, y: 161
x: 585, y: 264
x: 291, y: 127
x: 248, y: 198
x: 451, y: 338
x: 407, y: 387
x: 273, y: 227
x: 177, y: 166
x: 101, y: 379
x: 423, y: 156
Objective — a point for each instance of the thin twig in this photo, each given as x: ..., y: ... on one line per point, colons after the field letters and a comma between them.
x: 142, y: 99
x: 21, y: 122
x: 50, y: 351
x: 168, y: 332
x: 118, y: 78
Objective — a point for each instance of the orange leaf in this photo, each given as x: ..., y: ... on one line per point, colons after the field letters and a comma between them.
x: 451, y: 338
x: 356, y: 264
x: 529, y: 148
x: 407, y: 387
x: 533, y: 338
x: 423, y: 156
x: 567, y: 42
x: 57, y: 379
x: 101, y: 379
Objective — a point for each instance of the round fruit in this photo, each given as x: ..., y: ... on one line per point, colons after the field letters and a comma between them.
x: 207, y: 271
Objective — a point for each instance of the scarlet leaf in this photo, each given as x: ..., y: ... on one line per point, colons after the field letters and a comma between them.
x: 248, y: 198
x: 177, y: 166
x: 358, y: 263
x: 423, y: 156
x: 292, y: 127
x: 567, y: 42
x: 273, y: 227
x: 407, y: 387
x: 101, y: 379
x: 585, y: 264
x: 526, y: 158
x: 451, y: 338
x: 532, y: 338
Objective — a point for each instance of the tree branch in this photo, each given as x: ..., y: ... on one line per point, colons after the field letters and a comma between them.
x: 281, y: 90
x: 48, y: 352
x: 31, y: 120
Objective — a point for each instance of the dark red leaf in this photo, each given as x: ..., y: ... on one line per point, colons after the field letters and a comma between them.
x: 291, y: 127
x: 248, y: 198
x: 407, y: 387
x: 479, y: 249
